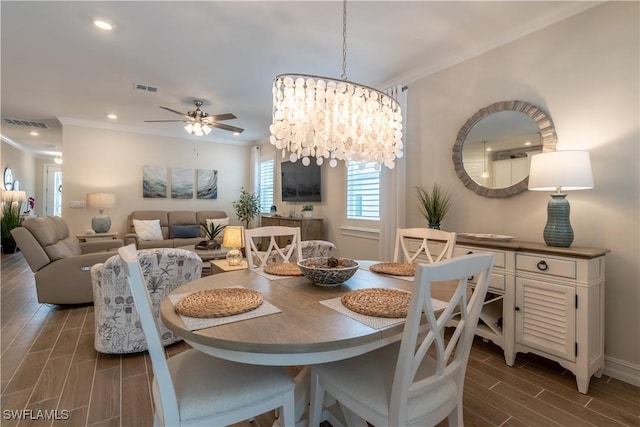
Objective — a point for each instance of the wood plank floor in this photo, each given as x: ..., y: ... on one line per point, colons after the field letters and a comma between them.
x: 48, y: 363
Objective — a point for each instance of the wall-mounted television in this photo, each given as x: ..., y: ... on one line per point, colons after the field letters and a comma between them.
x: 301, y: 183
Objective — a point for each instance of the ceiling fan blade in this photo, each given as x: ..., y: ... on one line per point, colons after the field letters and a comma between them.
x: 226, y: 127
x: 173, y: 111
x: 218, y: 117
x: 159, y: 121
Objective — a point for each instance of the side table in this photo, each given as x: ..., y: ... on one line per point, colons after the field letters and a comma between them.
x: 222, y: 266
x: 83, y: 238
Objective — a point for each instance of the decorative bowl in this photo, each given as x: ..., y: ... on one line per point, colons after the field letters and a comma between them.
x: 318, y: 270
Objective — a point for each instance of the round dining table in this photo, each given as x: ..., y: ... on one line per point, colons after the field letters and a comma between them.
x: 304, y: 332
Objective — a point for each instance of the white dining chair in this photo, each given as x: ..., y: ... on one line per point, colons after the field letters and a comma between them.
x: 418, y: 381
x: 435, y: 245
x: 192, y: 388
x: 258, y: 253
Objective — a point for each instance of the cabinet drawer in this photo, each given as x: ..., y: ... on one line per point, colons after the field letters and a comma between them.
x: 546, y: 265
x: 496, y: 283
x: 499, y: 260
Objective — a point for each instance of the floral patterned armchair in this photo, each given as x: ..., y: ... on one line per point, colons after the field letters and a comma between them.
x: 310, y: 249
x: 117, y: 323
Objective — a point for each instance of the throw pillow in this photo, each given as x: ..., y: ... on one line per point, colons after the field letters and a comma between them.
x: 148, y: 229
x: 184, y: 231
x: 218, y: 221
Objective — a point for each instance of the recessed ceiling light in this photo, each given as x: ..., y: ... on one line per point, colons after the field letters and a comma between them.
x: 489, y: 148
x: 236, y: 133
x: 103, y: 24
x: 112, y: 116
x: 527, y: 143
x: 34, y: 133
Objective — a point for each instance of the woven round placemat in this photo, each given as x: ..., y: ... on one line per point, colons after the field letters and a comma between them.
x: 378, y: 302
x: 282, y: 269
x: 395, y: 268
x: 219, y: 302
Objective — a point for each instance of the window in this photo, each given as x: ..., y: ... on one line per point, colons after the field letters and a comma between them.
x: 267, y: 173
x: 363, y: 191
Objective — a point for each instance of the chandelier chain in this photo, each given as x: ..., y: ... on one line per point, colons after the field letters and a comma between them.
x: 344, y: 40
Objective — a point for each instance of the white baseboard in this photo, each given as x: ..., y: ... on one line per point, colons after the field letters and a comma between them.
x: 622, y: 370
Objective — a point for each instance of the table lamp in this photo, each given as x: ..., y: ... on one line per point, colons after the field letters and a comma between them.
x: 233, y: 238
x: 560, y: 171
x: 101, y: 223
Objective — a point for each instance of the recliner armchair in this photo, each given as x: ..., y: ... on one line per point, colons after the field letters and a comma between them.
x: 61, y: 264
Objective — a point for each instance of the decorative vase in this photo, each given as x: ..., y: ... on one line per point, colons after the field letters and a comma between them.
x: 8, y: 245
x: 558, y: 231
x: 435, y: 226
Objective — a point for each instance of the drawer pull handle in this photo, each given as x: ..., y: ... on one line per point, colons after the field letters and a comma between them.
x: 517, y: 308
x: 543, y: 266
x: 469, y: 253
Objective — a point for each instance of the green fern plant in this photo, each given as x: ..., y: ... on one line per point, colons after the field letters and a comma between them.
x: 212, y: 230
x: 434, y: 204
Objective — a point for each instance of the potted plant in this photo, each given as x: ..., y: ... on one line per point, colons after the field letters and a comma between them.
x: 307, y: 211
x: 247, y: 207
x: 211, y: 231
x: 434, y: 204
x: 10, y: 220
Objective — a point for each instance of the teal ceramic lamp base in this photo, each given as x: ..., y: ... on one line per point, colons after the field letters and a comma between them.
x: 558, y: 231
x: 101, y: 224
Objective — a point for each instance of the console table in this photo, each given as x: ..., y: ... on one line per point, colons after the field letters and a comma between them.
x: 310, y: 228
x: 545, y: 300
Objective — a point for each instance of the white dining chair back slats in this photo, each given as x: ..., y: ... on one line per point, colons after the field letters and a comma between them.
x: 433, y: 245
x: 420, y: 380
x: 193, y: 388
x: 257, y: 256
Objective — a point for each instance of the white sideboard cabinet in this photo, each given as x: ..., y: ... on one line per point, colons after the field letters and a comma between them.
x: 545, y: 300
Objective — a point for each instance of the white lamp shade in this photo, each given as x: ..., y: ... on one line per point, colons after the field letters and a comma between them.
x: 101, y: 200
x: 233, y: 237
x: 560, y: 170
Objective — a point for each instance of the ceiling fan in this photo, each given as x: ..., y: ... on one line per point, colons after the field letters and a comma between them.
x: 200, y: 123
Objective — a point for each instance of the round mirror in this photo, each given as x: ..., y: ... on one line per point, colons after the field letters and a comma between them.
x: 492, y: 151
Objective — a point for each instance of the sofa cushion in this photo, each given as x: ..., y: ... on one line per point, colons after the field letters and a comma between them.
x: 52, y: 234
x: 217, y: 221
x: 182, y: 217
x: 148, y: 229
x: 184, y: 231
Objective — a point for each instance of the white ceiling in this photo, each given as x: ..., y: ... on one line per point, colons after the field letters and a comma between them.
x: 57, y: 67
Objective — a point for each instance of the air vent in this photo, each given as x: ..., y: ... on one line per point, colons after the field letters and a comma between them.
x: 27, y: 123
x: 146, y: 88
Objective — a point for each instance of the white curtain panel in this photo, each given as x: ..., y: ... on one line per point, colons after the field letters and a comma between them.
x: 254, y: 174
x: 393, y: 187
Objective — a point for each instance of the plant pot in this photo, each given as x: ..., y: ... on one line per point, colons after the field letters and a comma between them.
x: 435, y: 226
x: 8, y: 245
x: 307, y: 214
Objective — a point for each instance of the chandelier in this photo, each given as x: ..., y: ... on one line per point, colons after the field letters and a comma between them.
x: 335, y: 119
x: 197, y: 128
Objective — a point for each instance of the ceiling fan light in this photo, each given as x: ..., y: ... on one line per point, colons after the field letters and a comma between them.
x: 206, y: 129
x: 189, y: 128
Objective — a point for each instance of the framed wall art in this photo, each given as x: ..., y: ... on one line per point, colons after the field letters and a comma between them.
x: 154, y: 182
x: 207, y: 184
x: 181, y: 183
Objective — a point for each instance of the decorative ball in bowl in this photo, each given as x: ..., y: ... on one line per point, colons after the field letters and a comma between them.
x: 328, y: 271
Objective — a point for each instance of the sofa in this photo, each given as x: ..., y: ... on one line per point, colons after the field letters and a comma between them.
x: 117, y: 322
x: 169, y: 229
x: 60, y: 262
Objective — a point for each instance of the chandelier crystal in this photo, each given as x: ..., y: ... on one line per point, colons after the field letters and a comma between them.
x: 334, y: 119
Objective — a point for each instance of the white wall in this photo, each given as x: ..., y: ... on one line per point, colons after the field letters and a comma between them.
x: 112, y: 161
x: 584, y: 72
x: 24, y: 168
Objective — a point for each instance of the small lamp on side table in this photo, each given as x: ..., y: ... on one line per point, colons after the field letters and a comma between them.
x: 560, y: 171
x: 233, y: 238
x: 101, y: 223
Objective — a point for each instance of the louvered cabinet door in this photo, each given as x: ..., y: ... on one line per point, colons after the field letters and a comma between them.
x: 545, y: 317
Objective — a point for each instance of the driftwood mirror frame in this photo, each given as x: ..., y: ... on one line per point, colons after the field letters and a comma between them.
x: 548, y: 138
